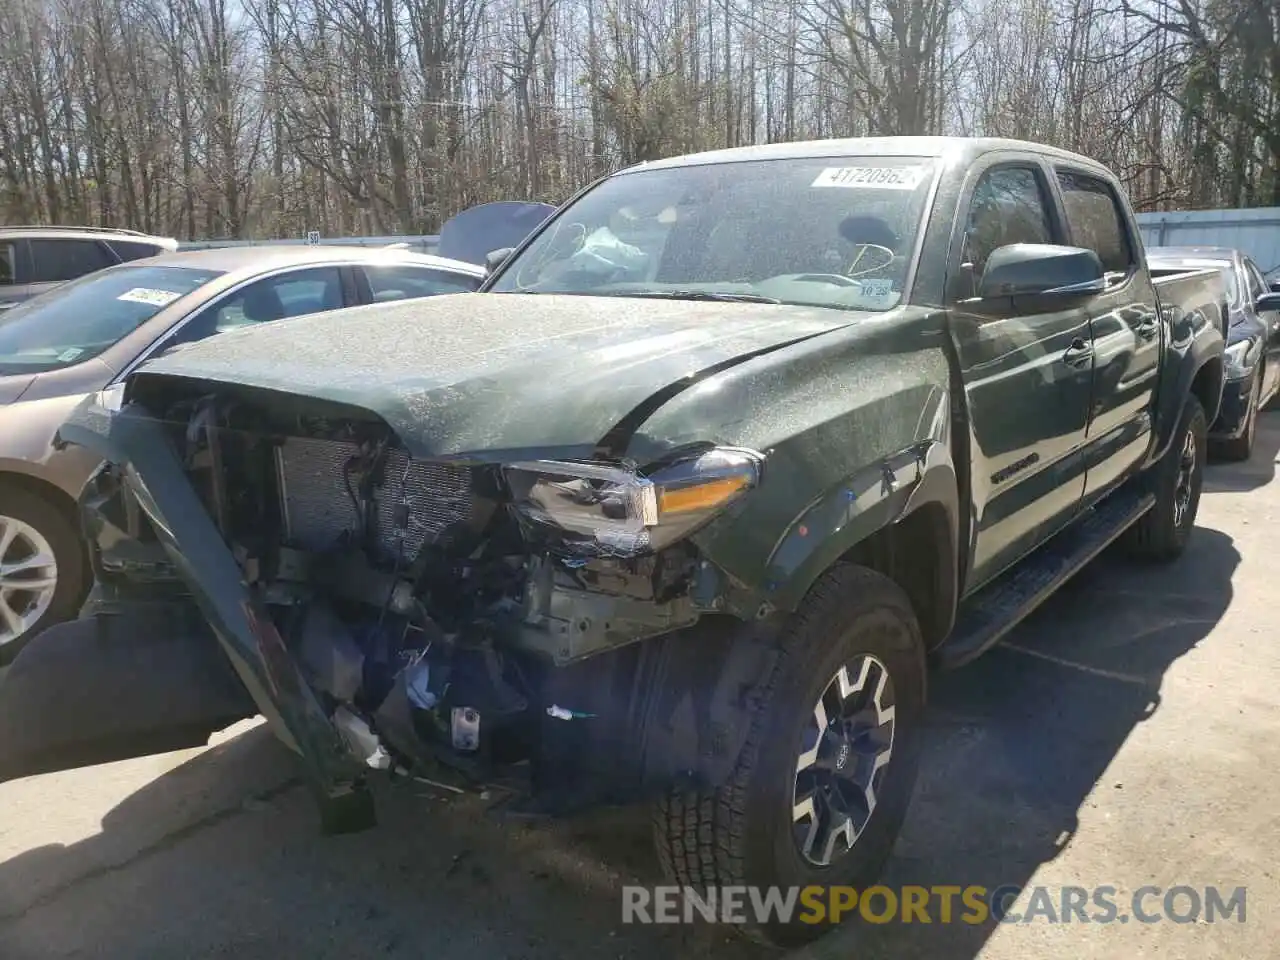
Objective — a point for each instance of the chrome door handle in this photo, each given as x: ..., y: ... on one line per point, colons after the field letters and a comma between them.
x: 1079, y: 353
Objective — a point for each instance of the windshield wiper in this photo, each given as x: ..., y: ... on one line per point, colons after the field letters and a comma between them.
x: 703, y: 295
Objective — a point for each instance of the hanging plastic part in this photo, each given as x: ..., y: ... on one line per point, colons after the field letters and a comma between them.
x: 562, y: 713
x: 362, y: 741
x: 418, y: 682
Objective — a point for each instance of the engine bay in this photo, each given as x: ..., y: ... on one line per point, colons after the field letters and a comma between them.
x: 433, y: 620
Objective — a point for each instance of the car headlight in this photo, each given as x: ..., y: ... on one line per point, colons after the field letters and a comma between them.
x: 594, y: 509
x: 1240, y: 356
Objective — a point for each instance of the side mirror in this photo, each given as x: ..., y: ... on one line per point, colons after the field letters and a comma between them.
x: 495, y: 258
x: 1267, y: 302
x: 1041, y: 269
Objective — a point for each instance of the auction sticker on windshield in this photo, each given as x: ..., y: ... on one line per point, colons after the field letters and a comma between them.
x: 154, y: 298
x: 872, y: 178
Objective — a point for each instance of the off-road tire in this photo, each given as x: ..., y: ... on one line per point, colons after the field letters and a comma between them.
x: 741, y: 833
x: 63, y: 537
x: 1240, y: 448
x: 1159, y: 536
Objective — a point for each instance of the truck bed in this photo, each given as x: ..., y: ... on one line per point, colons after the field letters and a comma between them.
x: 1189, y: 291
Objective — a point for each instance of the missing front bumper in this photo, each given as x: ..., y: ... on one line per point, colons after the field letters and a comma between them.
x: 150, y: 468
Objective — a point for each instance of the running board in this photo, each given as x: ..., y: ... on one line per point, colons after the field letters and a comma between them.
x: 1000, y: 606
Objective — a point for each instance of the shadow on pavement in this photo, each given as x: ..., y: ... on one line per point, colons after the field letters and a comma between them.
x: 187, y: 867
x: 1020, y: 738
x: 221, y: 857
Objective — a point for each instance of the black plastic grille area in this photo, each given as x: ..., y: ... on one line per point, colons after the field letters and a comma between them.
x: 318, y: 509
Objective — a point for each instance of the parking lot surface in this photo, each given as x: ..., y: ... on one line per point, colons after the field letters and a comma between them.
x: 1127, y: 734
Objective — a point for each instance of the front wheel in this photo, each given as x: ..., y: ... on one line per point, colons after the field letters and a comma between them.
x: 822, y: 786
x: 1162, y: 533
x: 1241, y: 448
x: 42, y: 568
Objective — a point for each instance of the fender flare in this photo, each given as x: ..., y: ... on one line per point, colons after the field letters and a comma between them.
x: 706, y: 679
x: 877, y: 497
x: 1193, y: 354
x: 1180, y: 383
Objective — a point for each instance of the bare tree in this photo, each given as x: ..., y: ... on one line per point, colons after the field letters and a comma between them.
x: 271, y: 117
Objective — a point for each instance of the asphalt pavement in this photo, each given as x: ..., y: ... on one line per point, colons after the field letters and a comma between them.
x: 1126, y: 735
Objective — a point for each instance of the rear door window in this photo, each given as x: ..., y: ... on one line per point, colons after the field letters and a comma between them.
x: 134, y: 249
x: 292, y: 294
x: 286, y: 295
x: 404, y: 281
x: 8, y: 263
x: 56, y: 260
x: 1096, y: 219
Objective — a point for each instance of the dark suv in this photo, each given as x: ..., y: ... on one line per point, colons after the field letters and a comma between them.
x: 34, y: 259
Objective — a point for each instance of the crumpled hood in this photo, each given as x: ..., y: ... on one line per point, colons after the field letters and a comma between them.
x: 494, y: 375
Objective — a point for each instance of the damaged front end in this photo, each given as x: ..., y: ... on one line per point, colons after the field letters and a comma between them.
x: 408, y: 615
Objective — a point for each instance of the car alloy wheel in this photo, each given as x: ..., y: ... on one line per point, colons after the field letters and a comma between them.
x: 28, y: 578
x: 1186, y: 479
x: 846, y: 752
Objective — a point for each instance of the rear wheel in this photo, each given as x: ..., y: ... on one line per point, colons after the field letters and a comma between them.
x: 823, y: 783
x: 1162, y: 533
x: 42, y: 568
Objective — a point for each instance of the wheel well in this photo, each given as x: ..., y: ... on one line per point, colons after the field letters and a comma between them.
x: 1207, y: 386
x: 917, y: 554
x: 43, y: 489
x: 50, y: 494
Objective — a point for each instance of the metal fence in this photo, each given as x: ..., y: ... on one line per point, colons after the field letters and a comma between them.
x: 1255, y: 232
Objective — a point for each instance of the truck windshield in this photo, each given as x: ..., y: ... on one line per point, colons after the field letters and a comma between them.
x: 79, y: 320
x: 830, y: 232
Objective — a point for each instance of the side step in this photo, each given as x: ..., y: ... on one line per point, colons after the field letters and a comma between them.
x: 998, y: 607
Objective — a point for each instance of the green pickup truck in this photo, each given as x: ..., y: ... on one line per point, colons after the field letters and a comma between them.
x: 681, y: 508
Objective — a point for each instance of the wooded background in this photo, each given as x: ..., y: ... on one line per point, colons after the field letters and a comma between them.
x: 268, y: 118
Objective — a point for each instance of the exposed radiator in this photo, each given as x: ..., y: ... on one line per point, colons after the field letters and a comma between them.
x: 317, y: 508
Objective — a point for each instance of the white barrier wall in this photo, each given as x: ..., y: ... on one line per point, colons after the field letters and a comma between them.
x: 1256, y: 232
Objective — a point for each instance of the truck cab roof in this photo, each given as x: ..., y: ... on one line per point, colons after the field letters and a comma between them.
x: 961, y: 150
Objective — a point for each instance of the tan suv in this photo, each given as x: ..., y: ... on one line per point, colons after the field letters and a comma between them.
x: 35, y: 259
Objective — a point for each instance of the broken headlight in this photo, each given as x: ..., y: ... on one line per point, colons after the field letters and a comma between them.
x: 596, y: 509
